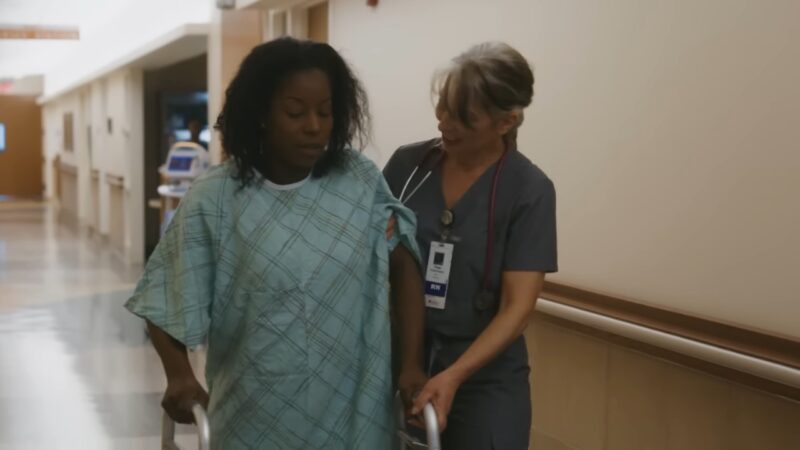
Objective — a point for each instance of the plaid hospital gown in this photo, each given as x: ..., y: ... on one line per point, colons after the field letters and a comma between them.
x: 291, y: 289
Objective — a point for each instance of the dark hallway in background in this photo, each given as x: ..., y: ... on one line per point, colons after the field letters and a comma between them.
x: 174, y: 96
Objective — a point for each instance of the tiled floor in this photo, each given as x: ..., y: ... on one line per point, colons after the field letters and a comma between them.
x: 76, y: 370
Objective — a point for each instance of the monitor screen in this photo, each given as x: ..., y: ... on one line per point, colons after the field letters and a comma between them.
x: 2, y: 137
x: 183, y: 135
x: 180, y: 163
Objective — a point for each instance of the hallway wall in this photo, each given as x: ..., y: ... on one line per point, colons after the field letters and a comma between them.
x: 590, y: 394
x: 669, y: 130
x: 233, y: 35
x: 108, y: 130
x: 21, y: 161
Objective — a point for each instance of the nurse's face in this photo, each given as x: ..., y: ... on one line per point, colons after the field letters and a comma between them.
x: 300, y: 121
x: 482, y: 133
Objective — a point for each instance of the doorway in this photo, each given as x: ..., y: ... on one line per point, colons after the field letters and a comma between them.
x: 176, y: 101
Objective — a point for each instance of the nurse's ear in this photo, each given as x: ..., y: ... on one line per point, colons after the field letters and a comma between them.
x: 506, y: 122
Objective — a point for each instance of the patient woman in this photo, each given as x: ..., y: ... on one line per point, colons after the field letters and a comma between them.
x: 279, y: 257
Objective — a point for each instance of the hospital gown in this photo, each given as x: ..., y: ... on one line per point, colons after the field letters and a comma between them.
x: 290, y: 287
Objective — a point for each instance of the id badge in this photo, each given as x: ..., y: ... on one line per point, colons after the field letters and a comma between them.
x: 438, y: 274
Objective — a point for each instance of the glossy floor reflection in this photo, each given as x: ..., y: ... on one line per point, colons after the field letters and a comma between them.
x: 76, y: 370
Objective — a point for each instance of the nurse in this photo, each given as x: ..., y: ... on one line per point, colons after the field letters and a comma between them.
x: 487, y: 233
x: 279, y: 258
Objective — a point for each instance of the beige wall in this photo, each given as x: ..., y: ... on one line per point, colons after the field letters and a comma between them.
x: 118, y: 152
x: 669, y: 128
x: 115, y: 151
x: 116, y: 215
x: 94, y: 206
x: 588, y: 394
x: 68, y: 200
x: 233, y: 34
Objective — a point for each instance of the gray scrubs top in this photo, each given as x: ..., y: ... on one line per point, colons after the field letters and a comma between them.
x: 525, y: 230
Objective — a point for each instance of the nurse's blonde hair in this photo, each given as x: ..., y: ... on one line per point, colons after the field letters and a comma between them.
x: 492, y: 76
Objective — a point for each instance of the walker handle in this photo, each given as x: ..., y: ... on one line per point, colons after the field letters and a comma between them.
x: 431, y: 427
x: 204, y: 430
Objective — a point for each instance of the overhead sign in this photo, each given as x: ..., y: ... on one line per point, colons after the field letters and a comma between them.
x: 38, y: 32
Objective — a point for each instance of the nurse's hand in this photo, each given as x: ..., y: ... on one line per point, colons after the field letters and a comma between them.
x: 439, y: 391
x: 181, y: 395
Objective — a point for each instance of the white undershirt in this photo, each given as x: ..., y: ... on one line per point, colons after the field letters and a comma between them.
x: 286, y: 187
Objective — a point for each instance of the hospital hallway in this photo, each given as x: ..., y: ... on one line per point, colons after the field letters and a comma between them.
x: 76, y: 369
x: 613, y: 184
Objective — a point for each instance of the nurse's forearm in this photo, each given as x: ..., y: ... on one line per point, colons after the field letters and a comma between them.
x: 520, y: 291
x: 409, y: 305
x: 500, y: 333
x: 172, y: 353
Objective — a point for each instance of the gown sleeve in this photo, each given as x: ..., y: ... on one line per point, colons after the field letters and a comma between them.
x: 177, y: 288
x: 405, y: 231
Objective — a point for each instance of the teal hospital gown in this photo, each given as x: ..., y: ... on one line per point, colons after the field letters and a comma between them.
x: 290, y: 287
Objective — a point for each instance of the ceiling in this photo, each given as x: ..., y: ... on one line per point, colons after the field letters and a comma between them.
x: 19, y: 58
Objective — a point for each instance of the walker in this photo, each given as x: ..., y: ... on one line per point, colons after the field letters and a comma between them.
x: 406, y: 441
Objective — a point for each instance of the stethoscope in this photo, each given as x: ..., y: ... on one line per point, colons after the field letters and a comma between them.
x: 485, y: 299
x: 403, y: 198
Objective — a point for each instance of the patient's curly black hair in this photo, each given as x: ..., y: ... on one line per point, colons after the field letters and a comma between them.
x: 253, y: 89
